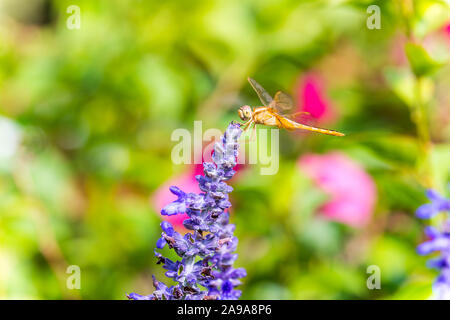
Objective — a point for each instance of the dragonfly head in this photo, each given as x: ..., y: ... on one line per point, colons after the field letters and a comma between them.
x: 245, y: 113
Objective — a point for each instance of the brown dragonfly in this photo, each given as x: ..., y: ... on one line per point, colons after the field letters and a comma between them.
x: 275, y: 112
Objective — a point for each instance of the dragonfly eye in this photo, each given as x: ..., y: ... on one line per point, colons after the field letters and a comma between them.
x: 241, y: 114
x: 245, y: 113
x: 247, y: 110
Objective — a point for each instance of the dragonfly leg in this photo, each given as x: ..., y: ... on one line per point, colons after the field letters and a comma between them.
x: 253, y: 134
x: 247, y: 125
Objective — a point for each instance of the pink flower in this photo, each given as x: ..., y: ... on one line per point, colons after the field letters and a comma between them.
x: 446, y: 34
x: 311, y: 98
x: 352, y: 190
x: 447, y: 29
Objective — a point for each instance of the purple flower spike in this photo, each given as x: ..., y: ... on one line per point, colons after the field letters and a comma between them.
x: 439, y: 241
x: 167, y: 228
x: 176, y: 207
x: 135, y: 296
x: 438, y: 204
x: 167, y: 232
x: 205, y: 270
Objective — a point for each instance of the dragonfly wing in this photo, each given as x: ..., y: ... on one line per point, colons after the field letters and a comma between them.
x: 265, y: 98
x: 282, y: 102
x: 300, y: 116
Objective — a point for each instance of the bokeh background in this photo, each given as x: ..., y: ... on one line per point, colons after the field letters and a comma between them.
x: 86, y: 117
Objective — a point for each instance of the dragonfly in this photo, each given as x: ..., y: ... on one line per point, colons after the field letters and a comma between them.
x: 275, y: 112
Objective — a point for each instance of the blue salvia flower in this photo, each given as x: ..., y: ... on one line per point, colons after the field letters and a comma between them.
x: 438, y: 204
x: 439, y: 241
x: 205, y: 269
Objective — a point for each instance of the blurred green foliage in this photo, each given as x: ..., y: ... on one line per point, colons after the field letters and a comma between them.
x: 96, y: 106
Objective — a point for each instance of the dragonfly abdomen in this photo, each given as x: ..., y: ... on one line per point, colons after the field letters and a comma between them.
x: 319, y: 130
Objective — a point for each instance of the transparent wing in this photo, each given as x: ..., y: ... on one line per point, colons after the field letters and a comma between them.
x: 282, y: 102
x: 301, y: 117
x: 265, y: 98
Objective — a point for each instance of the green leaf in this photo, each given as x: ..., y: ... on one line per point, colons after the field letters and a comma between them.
x: 419, y: 59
